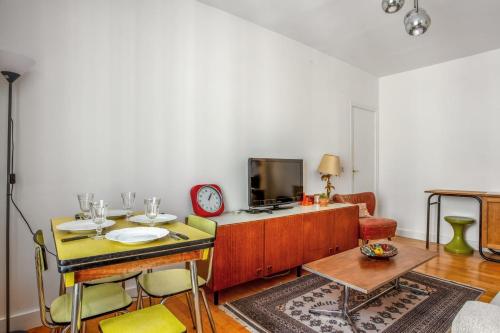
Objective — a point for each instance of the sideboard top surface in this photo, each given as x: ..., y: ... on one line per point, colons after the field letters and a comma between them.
x: 242, y: 217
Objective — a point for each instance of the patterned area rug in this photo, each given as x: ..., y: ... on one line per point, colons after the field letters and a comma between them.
x: 285, y: 308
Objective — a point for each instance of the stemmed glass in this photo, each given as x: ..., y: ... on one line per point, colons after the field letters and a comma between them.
x: 152, y: 209
x: 128, y: 201
x: 99, y: 214
x: 85, y: 200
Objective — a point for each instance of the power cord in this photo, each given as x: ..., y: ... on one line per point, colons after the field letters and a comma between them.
x: 11, y: 161
x: 28, y: 224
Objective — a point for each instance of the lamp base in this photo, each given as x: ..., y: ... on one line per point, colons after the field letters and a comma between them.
x: 328, y: 187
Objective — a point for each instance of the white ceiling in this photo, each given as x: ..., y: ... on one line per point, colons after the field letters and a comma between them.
x: 360, y: 33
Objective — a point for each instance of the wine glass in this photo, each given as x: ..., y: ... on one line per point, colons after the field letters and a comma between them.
x: 128, y: 201
x: 85, y: 200
x: 152, y: 209
x: 99, y: 214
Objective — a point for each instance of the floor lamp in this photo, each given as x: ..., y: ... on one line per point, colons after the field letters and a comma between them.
x: 12, y: 66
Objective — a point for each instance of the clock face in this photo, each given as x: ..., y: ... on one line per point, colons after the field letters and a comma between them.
x: 209, y: 199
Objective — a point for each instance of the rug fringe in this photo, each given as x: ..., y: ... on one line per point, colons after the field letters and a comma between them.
x: 452, y: 282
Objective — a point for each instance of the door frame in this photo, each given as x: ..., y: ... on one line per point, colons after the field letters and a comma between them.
x: 351, y: 142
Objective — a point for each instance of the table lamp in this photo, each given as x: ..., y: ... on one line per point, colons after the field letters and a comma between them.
x: 12, y: 66
x: 329, y: 166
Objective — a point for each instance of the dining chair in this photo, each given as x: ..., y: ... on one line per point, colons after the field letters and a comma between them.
x: 166, y: 283
x: 154, y: 319
x: 97, y: 300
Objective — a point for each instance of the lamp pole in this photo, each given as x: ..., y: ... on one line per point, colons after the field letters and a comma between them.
x: 11, y: 77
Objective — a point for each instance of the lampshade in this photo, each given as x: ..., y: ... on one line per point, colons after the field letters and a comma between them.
x: 12, y: 62
x: 329, y: 165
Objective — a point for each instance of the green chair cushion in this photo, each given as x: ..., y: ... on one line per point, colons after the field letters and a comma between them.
x: 168, y: 282
x: 154, y: 319
x: 96, y: 300
x: 459, y: 219
x: 115, y: 278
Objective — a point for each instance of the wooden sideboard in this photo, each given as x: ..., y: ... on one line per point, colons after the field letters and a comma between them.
x: 247, y: 250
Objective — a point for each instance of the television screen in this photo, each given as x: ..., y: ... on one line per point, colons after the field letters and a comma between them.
x: 274, y: 182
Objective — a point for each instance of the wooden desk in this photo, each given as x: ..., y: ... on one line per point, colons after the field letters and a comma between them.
x: 489, y: 217
x: 88, y: 259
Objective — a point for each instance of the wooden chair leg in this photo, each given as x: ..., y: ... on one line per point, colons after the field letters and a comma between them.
x: 209, y: 313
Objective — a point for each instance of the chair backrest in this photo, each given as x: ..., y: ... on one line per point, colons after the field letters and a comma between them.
x: 210, y: 227
x: 364, y: 197
x: 40, y: 267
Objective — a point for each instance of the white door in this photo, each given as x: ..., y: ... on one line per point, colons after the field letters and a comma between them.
x: 364, y: 150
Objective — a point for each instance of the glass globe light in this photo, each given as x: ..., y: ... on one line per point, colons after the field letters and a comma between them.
x: 392, y: 6
x: 417, y: 21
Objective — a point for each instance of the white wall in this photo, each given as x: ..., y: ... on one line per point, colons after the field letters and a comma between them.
x: 154, y: 97
x: 439, y: 128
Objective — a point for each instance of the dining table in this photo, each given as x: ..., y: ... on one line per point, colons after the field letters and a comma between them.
x: 89, y: 259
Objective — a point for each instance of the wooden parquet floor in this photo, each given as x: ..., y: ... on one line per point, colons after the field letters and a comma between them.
x: 469, y: 270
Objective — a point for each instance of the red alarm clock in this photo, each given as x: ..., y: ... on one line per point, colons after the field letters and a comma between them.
x: 207, y: 200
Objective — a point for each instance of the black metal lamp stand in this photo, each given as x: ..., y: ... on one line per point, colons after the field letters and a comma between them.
x: 11, y: 179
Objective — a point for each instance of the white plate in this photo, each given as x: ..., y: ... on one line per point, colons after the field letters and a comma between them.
x: 83, y: 225
x: 137, y: 235
x: 161, y: 218
x: 117, y: 212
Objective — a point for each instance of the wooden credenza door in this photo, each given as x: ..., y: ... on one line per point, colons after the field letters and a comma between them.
x: 238, y: 254
x: 491, y: 222
x: 247, y: 252
x: 318, y: 235
x: 346, y: 228
x: 283, y: 247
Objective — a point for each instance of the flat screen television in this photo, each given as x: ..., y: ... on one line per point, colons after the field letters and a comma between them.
x: 274, y: 182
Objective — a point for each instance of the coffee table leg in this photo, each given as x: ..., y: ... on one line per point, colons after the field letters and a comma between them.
x: 344, y: 312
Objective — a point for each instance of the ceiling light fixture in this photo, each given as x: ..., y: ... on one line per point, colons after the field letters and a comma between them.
x: 392, y: 6
x: 416, y: 21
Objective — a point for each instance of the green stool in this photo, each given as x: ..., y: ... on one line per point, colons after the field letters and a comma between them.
x: 458, y: 245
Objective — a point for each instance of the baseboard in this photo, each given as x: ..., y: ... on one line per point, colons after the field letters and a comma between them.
x: 31, y: 318
x: 23, y: 320
x: 444, y: 238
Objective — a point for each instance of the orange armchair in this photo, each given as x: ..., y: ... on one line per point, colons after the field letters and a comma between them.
x: 370, y: 228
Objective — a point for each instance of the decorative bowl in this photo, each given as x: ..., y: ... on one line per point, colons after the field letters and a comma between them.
x: 379, y: 250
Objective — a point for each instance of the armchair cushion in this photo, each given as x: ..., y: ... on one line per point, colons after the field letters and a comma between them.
x: 376, y: 228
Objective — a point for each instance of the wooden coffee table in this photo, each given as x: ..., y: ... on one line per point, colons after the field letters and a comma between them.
x: 355, y: 271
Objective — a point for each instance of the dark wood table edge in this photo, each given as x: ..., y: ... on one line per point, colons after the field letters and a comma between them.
x: 72, y: 265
